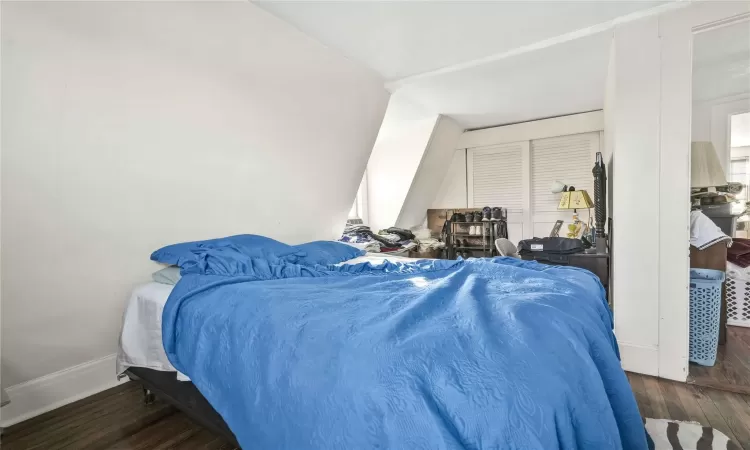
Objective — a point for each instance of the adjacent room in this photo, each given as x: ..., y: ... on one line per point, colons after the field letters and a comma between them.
x: 371, y: 224
x: 719, y: 219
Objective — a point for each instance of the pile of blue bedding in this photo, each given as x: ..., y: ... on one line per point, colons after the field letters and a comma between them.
x: 491, y: 353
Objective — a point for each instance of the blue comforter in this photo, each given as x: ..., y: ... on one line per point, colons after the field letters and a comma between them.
x: 476, y: 354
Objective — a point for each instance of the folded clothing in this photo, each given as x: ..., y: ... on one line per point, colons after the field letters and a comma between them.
x: 704, y: 232
x: 403, y: 234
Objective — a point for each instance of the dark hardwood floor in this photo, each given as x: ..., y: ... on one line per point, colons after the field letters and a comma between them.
x: 118, y: 419
x: 732, y: 369
x: 725, y: 411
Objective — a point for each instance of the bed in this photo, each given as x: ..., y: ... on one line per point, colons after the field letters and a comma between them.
x: 496, y: 353
x: 142, y: 358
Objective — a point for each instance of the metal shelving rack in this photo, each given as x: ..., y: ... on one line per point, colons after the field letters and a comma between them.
x: 480, y: 245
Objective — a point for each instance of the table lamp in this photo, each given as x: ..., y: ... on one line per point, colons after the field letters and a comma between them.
x: 705, y: 168
x: 576, y: 200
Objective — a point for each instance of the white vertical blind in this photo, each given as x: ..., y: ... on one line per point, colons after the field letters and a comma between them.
x: 568, y: 159
x: 495, y: 177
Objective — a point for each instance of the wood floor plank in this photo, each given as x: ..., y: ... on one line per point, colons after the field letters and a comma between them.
x: 206, y: 440
x: 731, y: 372
x: 731, y: 416
x: 67, y: 422
x: 60, y: 417
x: 672, y: 400
x: 171, y: 432
x: 641, y: 397
x: 689, y: 401
x: 714, y: 417
x: 119, y: 420
x: 658, y: 405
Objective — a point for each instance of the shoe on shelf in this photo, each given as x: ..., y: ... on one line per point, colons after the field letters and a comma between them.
x: 497, y: 214
x: 486, y: 214
x: 476, y: 216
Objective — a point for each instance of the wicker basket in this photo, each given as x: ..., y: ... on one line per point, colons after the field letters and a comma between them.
x: 738, y: 295
x: 705, y: 307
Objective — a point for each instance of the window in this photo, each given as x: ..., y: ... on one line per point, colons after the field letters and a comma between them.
x: 359, y: 208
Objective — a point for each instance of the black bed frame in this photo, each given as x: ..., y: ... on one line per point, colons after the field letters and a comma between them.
x: 183, y: 395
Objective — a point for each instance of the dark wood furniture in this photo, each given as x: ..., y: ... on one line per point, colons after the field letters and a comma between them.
x: 596, y: 263
x: 714, y: 257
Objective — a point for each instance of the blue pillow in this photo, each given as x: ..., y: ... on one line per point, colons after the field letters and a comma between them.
x: 251, y: 245
x: 326, y: 252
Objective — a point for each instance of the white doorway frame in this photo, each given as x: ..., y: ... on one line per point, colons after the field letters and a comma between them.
x: 676, y: 30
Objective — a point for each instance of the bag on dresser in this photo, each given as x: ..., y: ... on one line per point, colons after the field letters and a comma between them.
x: 552, y: 249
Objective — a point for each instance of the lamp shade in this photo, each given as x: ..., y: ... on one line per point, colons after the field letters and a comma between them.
x: 575, y: 200
x: 705, y: 168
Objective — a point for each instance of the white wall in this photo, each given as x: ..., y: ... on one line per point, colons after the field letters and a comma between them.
x: 395, y: 159
x: 435, y: 164
x: 132, y: 125
x: 635, y: 112
x: 452, y: 192
x: 652, y: 136
x: 710, y: 121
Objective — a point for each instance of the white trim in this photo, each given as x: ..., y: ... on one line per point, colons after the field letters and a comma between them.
x: 527, y: 226
x: 394, y: 85
x: 52, y: 391
x: 469, y: 178
x: 537, y: 129
x: 676, y: 35
x: 639, y: 359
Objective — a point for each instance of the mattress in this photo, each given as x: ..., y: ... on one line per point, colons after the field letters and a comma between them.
x: 141, y: 339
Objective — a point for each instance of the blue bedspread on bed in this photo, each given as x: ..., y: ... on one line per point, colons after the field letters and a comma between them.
x: 476, y: 354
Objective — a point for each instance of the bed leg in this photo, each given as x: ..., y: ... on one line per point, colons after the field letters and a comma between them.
x: 148, y: 397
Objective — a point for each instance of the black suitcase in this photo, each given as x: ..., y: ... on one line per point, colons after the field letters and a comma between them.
x: 556, y: 250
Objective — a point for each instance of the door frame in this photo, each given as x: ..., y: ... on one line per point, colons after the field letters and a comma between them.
x: 676, y: 30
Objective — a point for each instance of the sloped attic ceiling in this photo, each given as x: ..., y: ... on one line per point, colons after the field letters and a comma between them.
x: 442, y: 54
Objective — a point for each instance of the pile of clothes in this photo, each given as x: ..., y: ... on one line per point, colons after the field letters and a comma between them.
x: 739, y: 253
x: 389, y: 240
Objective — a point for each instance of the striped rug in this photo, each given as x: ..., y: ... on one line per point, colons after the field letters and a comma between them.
x: 675, y: 435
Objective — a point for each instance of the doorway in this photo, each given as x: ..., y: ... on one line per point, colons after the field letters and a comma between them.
x: 721, y: 133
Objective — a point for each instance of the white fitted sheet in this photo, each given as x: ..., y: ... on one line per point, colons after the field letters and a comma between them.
x: 140, y: 341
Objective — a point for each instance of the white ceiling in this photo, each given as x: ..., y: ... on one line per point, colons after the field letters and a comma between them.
x: 481, y: 63
x: 564, y: 79
x: 400, y: 39
x: 721, y: 62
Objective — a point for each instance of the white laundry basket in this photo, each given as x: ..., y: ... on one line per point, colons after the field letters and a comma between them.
x: 738, y: 295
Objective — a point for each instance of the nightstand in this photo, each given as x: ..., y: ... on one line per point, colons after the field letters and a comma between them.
x: 596, y: 263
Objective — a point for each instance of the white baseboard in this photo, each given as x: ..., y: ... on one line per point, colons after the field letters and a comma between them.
x: 639, y: 359
x: 37, y: 396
